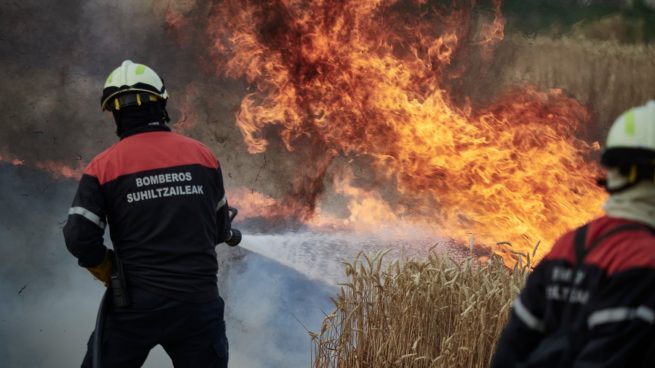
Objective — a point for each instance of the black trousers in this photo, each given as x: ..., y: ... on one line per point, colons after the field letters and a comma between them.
x: 192, y: 334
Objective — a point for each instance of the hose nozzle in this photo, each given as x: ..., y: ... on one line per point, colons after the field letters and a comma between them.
x: 235, y: 235
x: 234, y: 239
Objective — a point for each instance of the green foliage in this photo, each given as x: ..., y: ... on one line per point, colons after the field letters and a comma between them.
x: 532, y: 17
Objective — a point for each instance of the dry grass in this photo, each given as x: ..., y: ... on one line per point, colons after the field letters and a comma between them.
x: 605, y: 75
x: 429, y: 313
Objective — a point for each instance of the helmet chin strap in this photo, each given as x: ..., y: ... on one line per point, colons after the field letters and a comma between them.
x: 619, y: 180
x: 165, y: 117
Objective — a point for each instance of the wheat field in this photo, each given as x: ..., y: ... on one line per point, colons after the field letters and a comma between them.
x: 434, y: 312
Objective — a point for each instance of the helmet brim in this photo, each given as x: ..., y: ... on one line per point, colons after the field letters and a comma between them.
x: 627, y: 156
x: 111, y: 92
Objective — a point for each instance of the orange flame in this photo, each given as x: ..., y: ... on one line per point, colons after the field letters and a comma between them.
x: 11, y: 160
x: 60, y: 170
x: 188, y: 115
x: 495, y: 31
x: 366, y: 78
x: 56, y: 169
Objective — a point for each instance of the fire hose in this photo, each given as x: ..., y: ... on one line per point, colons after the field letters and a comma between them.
x: 119, y: 297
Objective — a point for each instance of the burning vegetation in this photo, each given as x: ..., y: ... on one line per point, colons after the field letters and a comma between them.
x: 372, y: 81
x: 366, y: 100
x: 374, y: 102
x: 56, y: 169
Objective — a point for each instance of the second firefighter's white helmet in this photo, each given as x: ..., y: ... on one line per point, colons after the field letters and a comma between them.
x: 631, y: 139
x: 132, y: 84
x: 630, y: 149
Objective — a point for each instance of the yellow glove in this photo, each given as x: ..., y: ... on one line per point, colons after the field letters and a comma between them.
x: 103, y: 271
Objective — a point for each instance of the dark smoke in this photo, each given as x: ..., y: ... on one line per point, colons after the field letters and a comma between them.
x: 54, y: 58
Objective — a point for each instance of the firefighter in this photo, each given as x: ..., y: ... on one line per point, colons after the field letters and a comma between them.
x: 162, y: 196
x: 591, y: 301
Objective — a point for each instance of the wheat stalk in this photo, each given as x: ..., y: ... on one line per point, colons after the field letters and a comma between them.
x: 434, y: 312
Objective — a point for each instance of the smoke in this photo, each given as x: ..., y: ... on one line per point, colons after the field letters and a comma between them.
x: 275, y: 285
x: 54, y: 57
x: 268, y: 307
x: 36, y: 279
x: 48, y: 303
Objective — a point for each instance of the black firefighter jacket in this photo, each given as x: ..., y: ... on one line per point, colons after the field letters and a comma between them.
x: 162, y: 196
x: 596, y: 313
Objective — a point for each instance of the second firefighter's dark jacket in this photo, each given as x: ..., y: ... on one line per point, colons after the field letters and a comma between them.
x: 162, y: 196
x: 598, y: 314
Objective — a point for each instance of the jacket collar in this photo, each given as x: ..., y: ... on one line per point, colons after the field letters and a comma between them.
x: 158, y: 127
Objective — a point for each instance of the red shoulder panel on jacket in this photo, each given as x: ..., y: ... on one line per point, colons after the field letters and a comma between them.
x: 149, y: 151
x: 563, y: 248
x: 626, y: 250
x: 620, y: 252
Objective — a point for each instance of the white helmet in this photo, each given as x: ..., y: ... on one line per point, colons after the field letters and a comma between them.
x: 132, y: 84
x: 630, y: 148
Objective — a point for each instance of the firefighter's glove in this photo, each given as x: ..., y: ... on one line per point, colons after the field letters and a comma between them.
x: 234, y: 239
x: 103, y: 271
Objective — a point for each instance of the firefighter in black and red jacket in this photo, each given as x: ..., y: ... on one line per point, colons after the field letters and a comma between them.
x: 162, y: 196
x: 591, y: 301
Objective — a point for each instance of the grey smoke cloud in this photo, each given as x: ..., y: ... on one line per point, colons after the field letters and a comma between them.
x: 275, y: 285
x: 55, y: 57
x: 48, y: 303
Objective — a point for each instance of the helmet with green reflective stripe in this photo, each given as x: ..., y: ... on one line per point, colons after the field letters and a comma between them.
x: 132, y: 84
x: 630, y: 149
x: 631, y: 139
